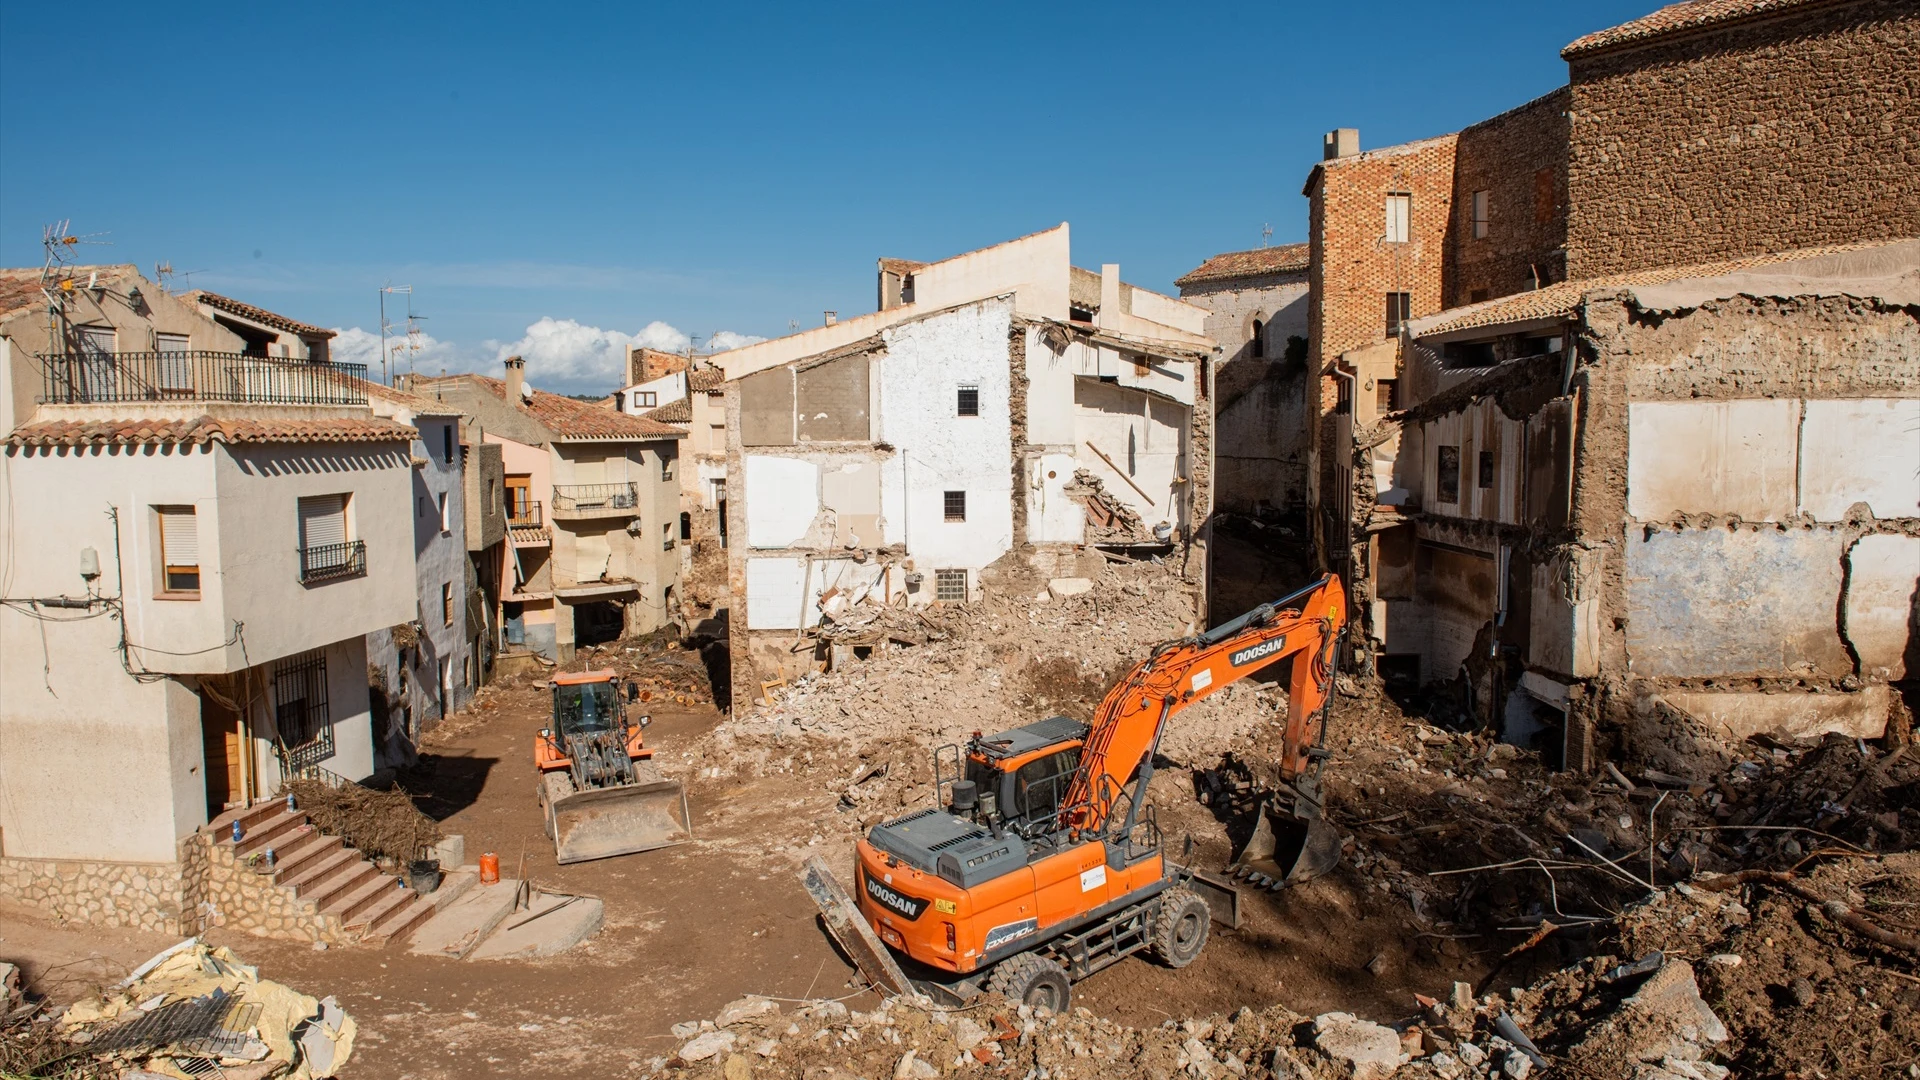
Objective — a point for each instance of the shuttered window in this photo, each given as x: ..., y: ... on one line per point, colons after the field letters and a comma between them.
x: 323, y: 521
x: 179, y: 549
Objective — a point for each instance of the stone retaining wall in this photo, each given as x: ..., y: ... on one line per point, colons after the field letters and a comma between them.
x: 142, y: 896
x: 234, y: 896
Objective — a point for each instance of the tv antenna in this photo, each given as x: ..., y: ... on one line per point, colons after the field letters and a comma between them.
x: 1266, y: 234
x: 411, y: 338
x: 56, y: 279
x: 166, y: 273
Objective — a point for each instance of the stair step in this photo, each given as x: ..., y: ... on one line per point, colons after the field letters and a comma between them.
x: 304, y: 855
x: 296, y: 843
x: 381, y: 904
x: 346, y: 880
x: 400, y: 924
x: 318, y: 870
x: 350, y: 904
x: 263, y: 834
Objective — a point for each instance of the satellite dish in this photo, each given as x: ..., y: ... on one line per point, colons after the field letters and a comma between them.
x: 526, y: 392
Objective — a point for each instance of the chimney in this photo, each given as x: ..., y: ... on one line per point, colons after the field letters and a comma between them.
x: 1339, y: 143
x: 832, y: 317
x: 516, y: 378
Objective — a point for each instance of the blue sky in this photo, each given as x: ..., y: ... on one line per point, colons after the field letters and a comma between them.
x: 558, y: 178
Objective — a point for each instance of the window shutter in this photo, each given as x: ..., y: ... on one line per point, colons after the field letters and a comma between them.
x: 179, y: 536
x: 323, y: 521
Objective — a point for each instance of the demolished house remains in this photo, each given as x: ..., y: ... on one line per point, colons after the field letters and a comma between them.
x: 1003, y: 400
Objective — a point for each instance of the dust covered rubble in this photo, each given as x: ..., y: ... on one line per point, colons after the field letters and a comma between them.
x: 1016, y: 656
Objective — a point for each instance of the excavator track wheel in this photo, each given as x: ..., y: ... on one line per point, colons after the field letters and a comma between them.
x: 1031, y: 979
x: 1180, y: 927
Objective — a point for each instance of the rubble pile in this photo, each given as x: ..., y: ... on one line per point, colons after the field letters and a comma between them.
x: 1108, y: 519
x: 191, y: 1011
x: 382, y: 824
x: 1005, y: 661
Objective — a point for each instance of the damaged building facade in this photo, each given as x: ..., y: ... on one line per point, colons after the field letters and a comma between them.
x: 1002, y: 401
x: 1648, y: 453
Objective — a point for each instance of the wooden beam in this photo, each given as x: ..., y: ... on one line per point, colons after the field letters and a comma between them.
x: 1120, y: 473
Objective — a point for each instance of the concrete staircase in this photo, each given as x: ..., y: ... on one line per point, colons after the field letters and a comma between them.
x: 318, y: 889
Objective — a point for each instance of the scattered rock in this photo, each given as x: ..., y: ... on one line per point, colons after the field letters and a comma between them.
x: 737, y: 1068
x: 1367, y: 1051
x: 1069, y: 586
x: 707, y: 1045
x: 744, y: 1009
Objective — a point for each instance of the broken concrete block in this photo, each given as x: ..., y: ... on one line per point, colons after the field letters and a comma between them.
x: 1069, y: 586
x: 745, y: 1009
x: 708, y: 1045
x: 737, y: 1068
x: 451, y: 850
x: 685, y: 1029
x: 1673, y: 994
x: 1364, y: 1049
x: 967, y: 1034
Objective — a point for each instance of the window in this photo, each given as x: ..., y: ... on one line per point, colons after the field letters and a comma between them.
x: 1486, y: 468
x: 446, y: 443
x: 906, y: 289
x: 666, y: 536
x: 1041, y: 784
x: 956, y: 505
x: 1399, y: 218
x: 646, y: 399
x: 1449, y: 474
x: 1343, y: 396
x: 1479, y: 214
x: 1386, y: 394
x: 1257, y: 341
x: 446, y: 523
x: 1399, y: 305
x: 519, y: 498
x: 686, y: 525
x: 666, y: 464
x: 446, y: 605
x: 179, y: 550
x: 969, y: 401
x: 420, y: 506
x: 950, y: 585
x: 325, y: 550
x: 717, y: 438
x: 302, y: 723
x: 173, y: 369
x: 1544, y: 201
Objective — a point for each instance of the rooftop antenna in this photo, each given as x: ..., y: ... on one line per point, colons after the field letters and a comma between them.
x: 1266, y: 234
x: 386, y: 357
x: 56, y: 279
x: 166, y: 273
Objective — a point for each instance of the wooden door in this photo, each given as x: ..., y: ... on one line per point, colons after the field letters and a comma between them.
x: 220, y: 738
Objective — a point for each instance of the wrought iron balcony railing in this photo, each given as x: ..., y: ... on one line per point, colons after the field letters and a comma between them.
x: 590, y: 497
x: 525, y: 517
x: 329, y: 561
x: 87, y: 378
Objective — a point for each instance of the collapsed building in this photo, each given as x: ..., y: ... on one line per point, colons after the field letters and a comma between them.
x: 1693, y: 488
x: 999, y: 401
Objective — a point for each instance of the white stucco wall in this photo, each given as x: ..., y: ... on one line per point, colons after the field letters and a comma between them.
x: 925, y: 364
x: 1861, y: 451
x: 1727, y: 457
x: 782, y: 498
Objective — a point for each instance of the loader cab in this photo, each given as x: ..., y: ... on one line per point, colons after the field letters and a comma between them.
x: 586, y: 703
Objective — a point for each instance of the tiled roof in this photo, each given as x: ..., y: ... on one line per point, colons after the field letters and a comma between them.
x: 570, y: 418
x: 205, y: 429
x: 709, y: 380
x: 679, y: 411
x: 20, y: 286
x: 258, y: 314
x: 1285, y: 259
x: 417, y: 404
x: 1563, y: 298
x: 1689, y: 15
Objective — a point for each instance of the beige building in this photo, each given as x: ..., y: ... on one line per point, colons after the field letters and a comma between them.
x: 197, y: 539
x: 593, y: 512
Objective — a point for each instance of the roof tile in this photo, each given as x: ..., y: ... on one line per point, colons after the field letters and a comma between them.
x: 258, y: 314
x: 1285, y: 259
x: 571, y: 418
x: 206, y: 429
x: 1674, y: 18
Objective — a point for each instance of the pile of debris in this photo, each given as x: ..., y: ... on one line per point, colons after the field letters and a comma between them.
x: 1109, y: 520
x: 381, y: 824
x: 191, y: 1011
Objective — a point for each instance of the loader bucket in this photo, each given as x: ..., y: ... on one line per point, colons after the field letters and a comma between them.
x: 1286, y: 849
x: 602, y: 822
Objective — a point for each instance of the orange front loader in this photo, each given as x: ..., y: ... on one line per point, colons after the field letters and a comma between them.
x: 599, y: 789
x: 1045, y: 862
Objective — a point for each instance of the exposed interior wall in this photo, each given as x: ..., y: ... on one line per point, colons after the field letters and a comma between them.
x: 1261, y: 409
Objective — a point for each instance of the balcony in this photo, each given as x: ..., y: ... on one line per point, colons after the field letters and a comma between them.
x: 525, y: 517
x: 92, y: 378
x: 330, y: 561
x: 577, y: 501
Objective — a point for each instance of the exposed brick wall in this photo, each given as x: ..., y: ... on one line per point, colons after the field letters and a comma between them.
x: 1519, y: 159
x: 1763, y: 135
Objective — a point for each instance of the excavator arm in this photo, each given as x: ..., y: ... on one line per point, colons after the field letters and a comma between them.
x: 1303, y: 627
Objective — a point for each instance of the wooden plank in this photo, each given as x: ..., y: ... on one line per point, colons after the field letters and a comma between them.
x: 1121, y: 474
x: 850, y: 929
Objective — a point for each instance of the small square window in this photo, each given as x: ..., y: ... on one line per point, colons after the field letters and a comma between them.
x: 666, y: 466
x: 646, y: 399
x: 1386, y: 394
x: 956, y: 505
x: 950, y: 585
x: 1487, y: 470
x: 969, y: 401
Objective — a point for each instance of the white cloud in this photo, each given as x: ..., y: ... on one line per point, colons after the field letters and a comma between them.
x: 723, y: 340
x: 563, y: 356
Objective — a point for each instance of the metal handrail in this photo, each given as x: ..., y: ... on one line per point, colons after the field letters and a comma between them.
x: 530, y: 518
x: 86, y: 378
x: 596, y: 496
x: 329, y: 561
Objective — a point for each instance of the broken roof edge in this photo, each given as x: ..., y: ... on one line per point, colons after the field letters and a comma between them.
x: 1378, y: 153
x: 1673, y: 21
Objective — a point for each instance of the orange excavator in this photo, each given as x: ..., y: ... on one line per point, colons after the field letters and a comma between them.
x: 599, y: 789
x: 1045, y: 862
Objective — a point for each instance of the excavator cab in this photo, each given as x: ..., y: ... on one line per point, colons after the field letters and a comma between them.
x: 600, y: 790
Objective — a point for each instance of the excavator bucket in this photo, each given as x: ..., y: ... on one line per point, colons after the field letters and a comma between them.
x: 598, y: 823
x: 1286, y: 849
